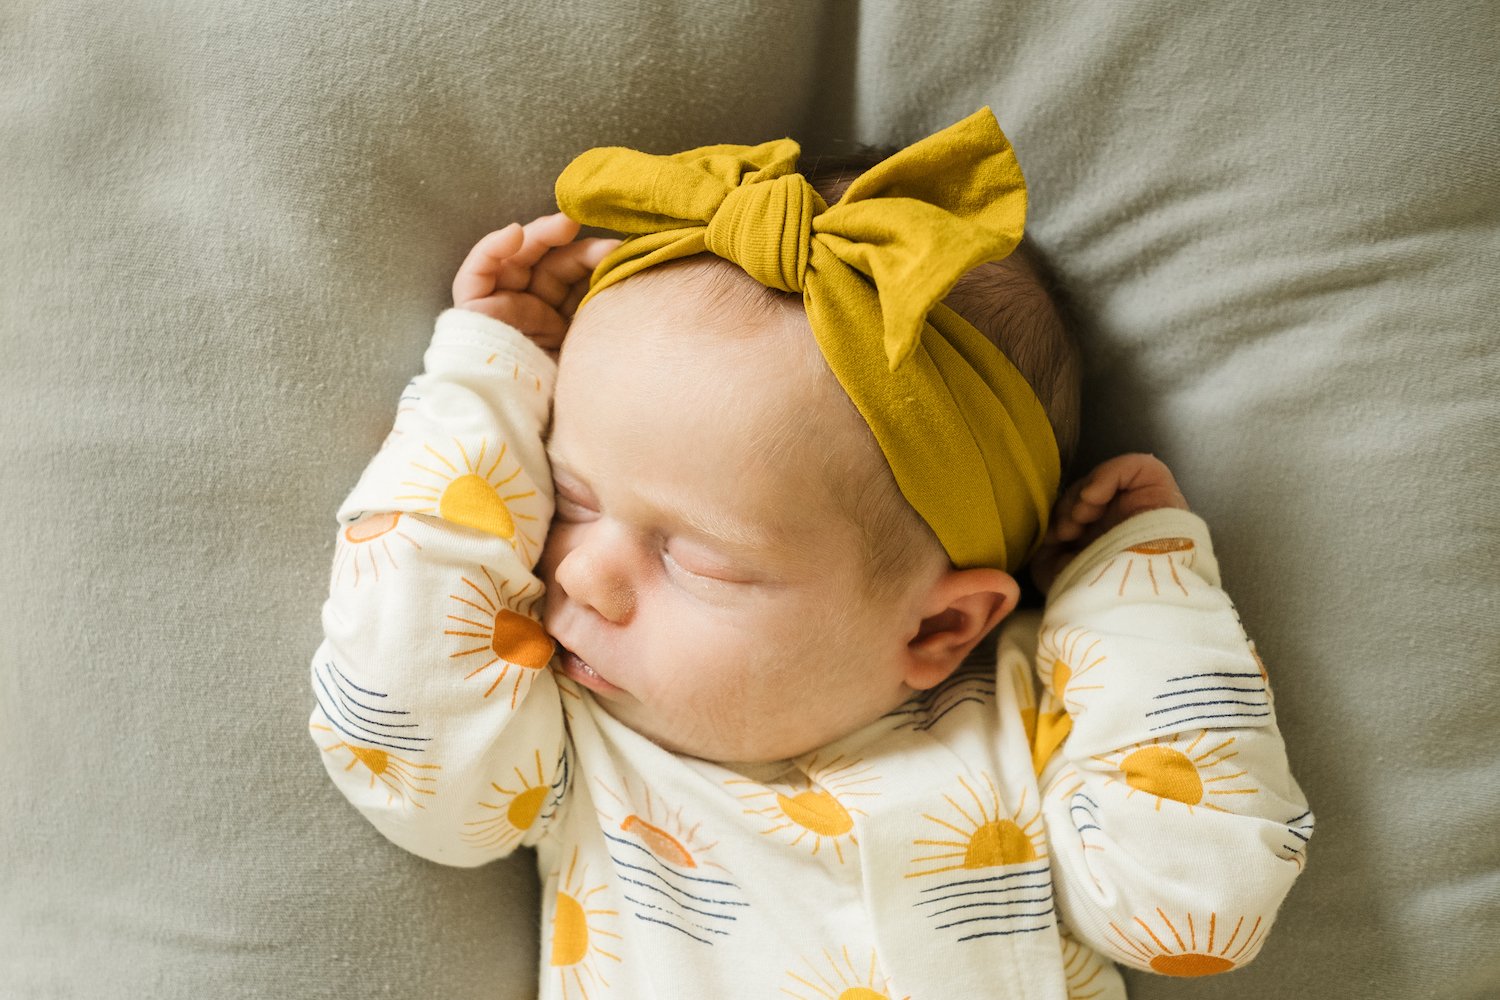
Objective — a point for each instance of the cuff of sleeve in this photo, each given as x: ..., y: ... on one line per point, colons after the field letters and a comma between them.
x: 1151, y: 526
x: 464, y: 328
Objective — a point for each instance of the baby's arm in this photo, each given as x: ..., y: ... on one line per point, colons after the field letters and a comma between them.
x: 436, y: 713
x: 1174, y: 822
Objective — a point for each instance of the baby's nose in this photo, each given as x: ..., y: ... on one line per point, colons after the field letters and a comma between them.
x: 592, y: 577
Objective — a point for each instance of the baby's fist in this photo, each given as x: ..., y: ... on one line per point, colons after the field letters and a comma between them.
x: 530, y: 276
x: 1115, y: 490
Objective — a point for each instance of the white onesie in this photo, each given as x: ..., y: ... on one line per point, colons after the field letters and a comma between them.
x: 1110, y: 785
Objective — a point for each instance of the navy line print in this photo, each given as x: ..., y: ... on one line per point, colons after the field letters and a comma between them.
x: 340, y: 700
x: 994, y: 878
x: 1087, y: 811
x: 1188, y: 677
x: 557, y: 789
x: 1212, y: 687
x: 986, y: 892
x: 682, y: 905
x: 345, y: 701
x: 996, y: 917
x: 376, y: 694
x: 653, y: 920
x: 662, y: 909
x: 1018, y: 930
x: 1194, y: 720
x: 1201, y: 704
x: 700, y: 899
x: 668, y: 867
x: 999, y: 902
x: 365, y: 739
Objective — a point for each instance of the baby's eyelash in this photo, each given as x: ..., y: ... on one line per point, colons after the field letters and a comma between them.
x: 668, y: 557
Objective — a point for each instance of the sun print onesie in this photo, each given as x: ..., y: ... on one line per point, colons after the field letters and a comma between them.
x: 1110, y: 787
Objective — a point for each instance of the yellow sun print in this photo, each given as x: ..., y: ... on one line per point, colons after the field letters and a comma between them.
x: 516, y: 811
x: 1083, y: 968
x: 989, y: 866
x: 816, y: 806
x: 511, y: 639
x: 1066, y: 659
x: 401, y: 778
x: 985, y: 838
x: 832, y: 979
x: 579, y: 934
x: 1175, y: 769
x: 1154, y: 564
x: 477, y: 498
x: 1168, y: 953
x: 365, y: 544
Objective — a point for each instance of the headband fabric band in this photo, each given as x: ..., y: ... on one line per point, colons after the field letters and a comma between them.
x: 967, y: 440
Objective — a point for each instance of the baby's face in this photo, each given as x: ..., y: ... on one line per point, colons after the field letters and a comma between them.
x: 698, y: 566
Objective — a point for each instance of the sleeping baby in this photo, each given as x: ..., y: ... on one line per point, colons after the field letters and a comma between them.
x: 691, y: 560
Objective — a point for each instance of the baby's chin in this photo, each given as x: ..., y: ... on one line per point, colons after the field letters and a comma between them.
x: 710, y: 743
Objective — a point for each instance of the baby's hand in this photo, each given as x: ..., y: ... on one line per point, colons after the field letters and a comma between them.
x: 1119, y: 488
x: 531, y: 276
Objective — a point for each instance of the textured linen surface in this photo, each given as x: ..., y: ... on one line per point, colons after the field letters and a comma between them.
x: 224, y: 230
x: 1111, y: 785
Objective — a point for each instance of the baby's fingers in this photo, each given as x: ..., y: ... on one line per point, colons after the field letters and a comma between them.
x: 481, y: 268
x: 561, y: 277
x: 533, y: 317
x: 541, y: 235
x: 1075, y: 510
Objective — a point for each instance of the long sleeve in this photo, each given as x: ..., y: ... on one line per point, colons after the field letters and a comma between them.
x: 437, y: 715
x: 1175, y: 825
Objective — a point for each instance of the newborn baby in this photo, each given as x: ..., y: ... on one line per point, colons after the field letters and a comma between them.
x: 748, y: 738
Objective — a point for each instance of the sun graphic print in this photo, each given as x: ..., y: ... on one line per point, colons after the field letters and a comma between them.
x: 527, y: 379
x: 666, y: 865
x: 369, y: 543
x: 1209, y: 946
x: 517, y: 805
x: 512, y: 642
x: 817, y: 808
x: 1150, y: 565
x: 480, y: 497
x: 983, y: 868
x: 1086, y: 972
x: 1066, y: 658
x: 581, y: 935
x: 838, y: 977
x: 381, y: 739
x: 1181, y: 770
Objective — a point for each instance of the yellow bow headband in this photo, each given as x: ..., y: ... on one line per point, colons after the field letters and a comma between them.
x: 965, y: 436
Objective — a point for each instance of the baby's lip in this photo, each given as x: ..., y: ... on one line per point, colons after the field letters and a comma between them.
x: 581, y: 671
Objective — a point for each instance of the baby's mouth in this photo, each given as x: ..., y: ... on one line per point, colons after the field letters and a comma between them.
x: 578, y: 668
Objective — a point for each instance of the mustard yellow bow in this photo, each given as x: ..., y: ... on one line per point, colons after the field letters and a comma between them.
x: 968, y: 442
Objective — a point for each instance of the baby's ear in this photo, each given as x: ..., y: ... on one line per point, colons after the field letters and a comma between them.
x: 960, y: 610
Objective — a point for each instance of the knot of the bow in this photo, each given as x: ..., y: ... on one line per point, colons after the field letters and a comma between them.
x: 765, y: 226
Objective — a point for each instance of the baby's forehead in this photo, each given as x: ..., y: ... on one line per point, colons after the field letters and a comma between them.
x: 693, y: 356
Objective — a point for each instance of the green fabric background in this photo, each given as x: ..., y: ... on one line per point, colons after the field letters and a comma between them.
x: 225, y: 230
